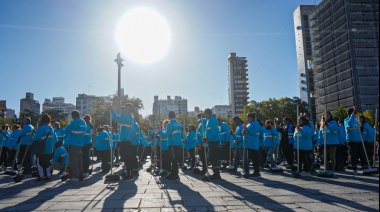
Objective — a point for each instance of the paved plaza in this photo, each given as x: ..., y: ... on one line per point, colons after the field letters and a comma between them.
x: 271, y: 192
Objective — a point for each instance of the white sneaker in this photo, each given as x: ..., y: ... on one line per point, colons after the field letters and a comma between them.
x: 305, y: 174
x: 230, y: 167
x: 73, y: 180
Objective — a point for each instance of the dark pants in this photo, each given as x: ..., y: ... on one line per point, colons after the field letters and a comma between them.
x: 128, y: 155
x: 340, y: 156
x: 305, y: 159
x: 105, y: 156
x: 255, y: 157
x: 213, y: 148
x: 166, y: 160
x: 356, y: 151
x: 43, y: 165
x: 4, y: 156
x: 27, y: 163
x: 369, y: 151
x: 288, y: 152
x: 12, y: 155
x: 192, y: 156
x: 86, y: 157
x: 174, y: 161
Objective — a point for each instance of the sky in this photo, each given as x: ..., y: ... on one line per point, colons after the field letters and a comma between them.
x: 66, y: 48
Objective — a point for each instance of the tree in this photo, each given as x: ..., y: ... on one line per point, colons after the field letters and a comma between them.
x: 340, y: 113
x: 57, y: 115
x: 369, y: 116
x: 32, y: 115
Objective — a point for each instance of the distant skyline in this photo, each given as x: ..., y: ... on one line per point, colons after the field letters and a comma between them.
x: 66, y: 48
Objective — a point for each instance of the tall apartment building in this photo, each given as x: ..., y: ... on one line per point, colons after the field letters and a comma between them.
x: 237, y: 83
x: 58, y: 103
x: 28, y: 103
x: 345, y: 42
x: 161, y: 107
x: 304, y: 56
x: 3, y: 108
x: 84, y: 103
x: 221, y: 110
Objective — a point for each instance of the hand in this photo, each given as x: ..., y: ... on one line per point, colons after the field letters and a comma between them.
x: 355, y: 112
x: 244, y: 126
x: 298, y: 127
x: 231, y: 132
x: 244, y: 131
x: 10, y: 148
x: 199, y: 147
x: 111, y: 106
x: 326, y: 123
x: 205, y: 139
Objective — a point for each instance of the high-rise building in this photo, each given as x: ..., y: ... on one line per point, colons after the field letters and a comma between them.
x: 237, y: 83
x: 345, y: 46
x: 304, y: 56
x: 59, y: 104
x: 3, y: 108
x: 28, y: 103
x: 161, y: 107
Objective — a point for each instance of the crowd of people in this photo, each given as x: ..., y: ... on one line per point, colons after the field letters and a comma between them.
x: 212, y: 145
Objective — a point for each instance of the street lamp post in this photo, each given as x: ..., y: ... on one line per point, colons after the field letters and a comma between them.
x: 119, y: 61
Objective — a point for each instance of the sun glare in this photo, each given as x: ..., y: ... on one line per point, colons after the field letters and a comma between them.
x: 143, y: 35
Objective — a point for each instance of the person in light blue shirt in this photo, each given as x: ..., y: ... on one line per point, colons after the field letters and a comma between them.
x: 59, y: 132
x: 212, y: 137
x: 200, y: 145
x: 127, y: 151
x: 238, y: 143
x: 87, y: 145
x: 224, y: 147
x: 4, y: 140
x: 252, y: 133
x: 330, y: 130
x: 190, y: 143
x: 74, y: 138
x: 60, y: 158
x: 163, y: 143
x: 103, y: 145
x: 341, y: 149
x: 26, y: 135
x: 367, y: 133
x: 12, y: 145
x: 44, y: 134
x: 353, y: 138
x: 270, y: 142
x: 305, y: 145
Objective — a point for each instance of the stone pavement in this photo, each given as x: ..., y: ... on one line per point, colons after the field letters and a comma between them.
x: 271, y: 192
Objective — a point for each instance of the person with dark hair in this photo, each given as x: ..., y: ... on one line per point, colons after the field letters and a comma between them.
x: 134, y: 145
x: 252, y: 133
x: 4, y: 140
x: 173, y: 133
x: 87, y: 145
x: 367, y: 133
x: 190, y: 142
x: 59, y: 132
x: 224, y: 146
x: 74, y: 138
x: 329, y: 125
x: 127, y: 152
x: 44, y: 134
x: 238, y: 142
x: 270, y: 142
x: 353, y: 138
x: 102, y: 144
x: 341, y: 148
x: 166, y: 155
x: 60, y: 158
x: 212, y: 138
x: 287, y: 140
x: 262, y: 151
x: 303, y: 132
x: 200, y: 145
x: 12, y: 145
x: 25, y: 141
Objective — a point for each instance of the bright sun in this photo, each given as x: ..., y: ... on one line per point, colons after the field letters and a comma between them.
x: 143, y: 35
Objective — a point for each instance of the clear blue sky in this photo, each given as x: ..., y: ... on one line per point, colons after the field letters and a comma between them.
x: 63, y: 48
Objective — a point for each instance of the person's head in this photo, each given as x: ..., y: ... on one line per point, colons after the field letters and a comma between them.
x: 99, y: 129
x: 26, y: 120
x: 45, y: 119
x: 237, y: 120
x: 251, y: 117
x: 208, y: 113
x: 306, y: 115
x: 87, y: 118
x: 200, y: 115
x: 317, y: 125
x: 350, y: 111
x: 190, y: 128
x: 327, y: 116
x: 106, y: 127
x: 171, y: 115
x: 15, y: 127
x: 56, y: 125
x: 128, y: 108
x: 302, y: 120
x: 268, y: 123
x: 287, y: 121
x: 219, y: 121
x: 75, y: 114
x: 362, y: 119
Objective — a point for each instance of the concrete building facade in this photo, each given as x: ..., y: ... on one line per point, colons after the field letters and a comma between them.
x: 161, y: 107
x: 59, y: 104
x: 28, y: 103
x: 237, y: 83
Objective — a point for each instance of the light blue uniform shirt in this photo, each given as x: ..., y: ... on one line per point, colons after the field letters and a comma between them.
x: 26, y: 134
x: 45, y: 133
x: 126, y: 124
x: 352, y: 129
x: 252, y: 136
x: 74, y: 133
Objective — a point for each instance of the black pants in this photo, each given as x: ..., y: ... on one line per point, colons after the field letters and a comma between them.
x: 105, y: 156
x: 4, y: 156
x: 86, y: 157
x: 166, y: 160
x: 192, y: 156
x: 24, y: 150
x: 174, y: 161
x: 128, y: 155
x: 254, y: 155
x: 356, y: 151
x: 305, y: 159
x: 288, y: 152
x: 213, y: 148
